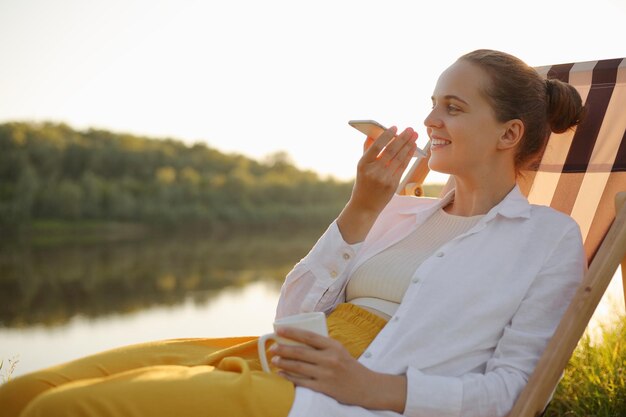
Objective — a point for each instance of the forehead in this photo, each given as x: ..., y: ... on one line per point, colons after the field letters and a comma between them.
x: 464, y: 80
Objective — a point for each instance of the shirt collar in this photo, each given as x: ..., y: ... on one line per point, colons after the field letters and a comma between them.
x: 513, y: 205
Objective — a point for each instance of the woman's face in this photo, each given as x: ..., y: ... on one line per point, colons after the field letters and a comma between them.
x: 462, y: 126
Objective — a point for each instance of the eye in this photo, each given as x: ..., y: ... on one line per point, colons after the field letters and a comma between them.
x: 453, y: 109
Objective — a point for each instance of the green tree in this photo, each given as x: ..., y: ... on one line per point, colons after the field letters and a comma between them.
x: 50, y: 171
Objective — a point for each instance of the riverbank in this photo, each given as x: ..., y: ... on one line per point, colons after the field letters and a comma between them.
x: 58, y: 232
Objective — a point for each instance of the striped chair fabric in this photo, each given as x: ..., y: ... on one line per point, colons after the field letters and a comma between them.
x: 581, y: 171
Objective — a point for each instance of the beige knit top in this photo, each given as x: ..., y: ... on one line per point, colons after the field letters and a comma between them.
x: 380, y: 282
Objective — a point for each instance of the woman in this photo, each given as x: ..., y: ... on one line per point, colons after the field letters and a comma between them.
x: 436, y: 307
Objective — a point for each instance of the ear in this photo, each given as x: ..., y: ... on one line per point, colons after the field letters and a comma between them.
x: 511, y: 135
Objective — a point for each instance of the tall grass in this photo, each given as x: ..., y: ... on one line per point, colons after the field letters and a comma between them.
x: 6, y: 370
x: 594, y: 383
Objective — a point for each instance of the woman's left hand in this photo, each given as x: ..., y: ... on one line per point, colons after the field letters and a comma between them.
x: 325, y: 366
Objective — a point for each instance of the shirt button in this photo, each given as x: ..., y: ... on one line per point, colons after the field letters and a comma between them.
x: 346, y: 256
x: 439, y: 254
x: 415, y: 280
x: 367, y: 354
x: 396, y: 318
x: 333, y: 274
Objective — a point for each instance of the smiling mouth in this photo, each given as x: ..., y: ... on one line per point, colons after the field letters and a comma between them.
x: 438, y: 143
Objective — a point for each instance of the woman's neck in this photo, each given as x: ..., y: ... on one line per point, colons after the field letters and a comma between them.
x: 472, y: 198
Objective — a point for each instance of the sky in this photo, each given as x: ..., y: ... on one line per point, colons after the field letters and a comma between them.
x: 258, y: 77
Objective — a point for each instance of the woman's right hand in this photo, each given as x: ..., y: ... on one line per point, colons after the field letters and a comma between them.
x: 378, y: 175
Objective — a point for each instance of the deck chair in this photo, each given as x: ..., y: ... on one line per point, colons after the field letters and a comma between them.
x: 582, y: 173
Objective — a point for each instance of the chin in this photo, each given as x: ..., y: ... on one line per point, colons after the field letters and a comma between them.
x: 440, y: 167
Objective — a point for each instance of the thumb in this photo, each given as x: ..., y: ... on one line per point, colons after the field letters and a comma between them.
x: 368, y: 142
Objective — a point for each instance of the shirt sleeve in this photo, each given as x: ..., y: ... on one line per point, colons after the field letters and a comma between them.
x: 524, y: 339
x: 317, y: 281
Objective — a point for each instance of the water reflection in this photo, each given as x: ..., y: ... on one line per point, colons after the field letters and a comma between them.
x: 233, y: 311
x: 50, y: 285
x: 60, y: 302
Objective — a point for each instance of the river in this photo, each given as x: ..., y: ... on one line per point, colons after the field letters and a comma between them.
x: 62, y: 302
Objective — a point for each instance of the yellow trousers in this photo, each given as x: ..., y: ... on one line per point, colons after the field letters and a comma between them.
x: 191, y: 377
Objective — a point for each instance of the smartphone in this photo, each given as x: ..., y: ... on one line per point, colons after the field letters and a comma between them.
x: 369, y: 128
x: 373, y: 129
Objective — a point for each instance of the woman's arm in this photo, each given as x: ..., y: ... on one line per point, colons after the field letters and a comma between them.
x: 324, y: 365
x: 316, y: 281
x: 378, y: 174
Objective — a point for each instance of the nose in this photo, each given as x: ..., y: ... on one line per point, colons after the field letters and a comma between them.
x: 433, y: 120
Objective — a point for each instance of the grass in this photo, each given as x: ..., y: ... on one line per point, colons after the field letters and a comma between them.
x: 594, y: 382
x: 5, y: 375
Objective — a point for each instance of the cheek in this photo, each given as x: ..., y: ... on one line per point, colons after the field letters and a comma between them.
x: 443, y: 162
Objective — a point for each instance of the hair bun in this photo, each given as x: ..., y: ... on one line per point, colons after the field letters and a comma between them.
x: 565, y: 107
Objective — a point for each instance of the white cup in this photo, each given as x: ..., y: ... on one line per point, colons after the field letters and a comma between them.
x: 314, y: 322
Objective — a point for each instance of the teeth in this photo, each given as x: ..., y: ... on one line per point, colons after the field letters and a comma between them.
x: 439, y: 142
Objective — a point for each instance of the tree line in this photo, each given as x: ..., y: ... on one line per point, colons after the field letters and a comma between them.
x: 50, y: 171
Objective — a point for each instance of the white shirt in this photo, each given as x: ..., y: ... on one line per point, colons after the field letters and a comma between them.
x: 476, y: 317
x: 381, y: 281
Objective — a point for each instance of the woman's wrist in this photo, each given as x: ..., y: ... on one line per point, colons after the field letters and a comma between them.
x: 355, y: 222
x: 386, y: 392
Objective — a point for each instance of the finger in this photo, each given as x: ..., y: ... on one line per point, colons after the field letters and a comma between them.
x: 293, y: 368
x: 397, y: 145
x: 367, y: 144
x: 298, y: 353
x: 296, y: 379
x: 300, y: 380
x: 380, y: 142
x: 400, y: 161
x: 394, y: 169
x: 401, y: 164
x: 303, y: 336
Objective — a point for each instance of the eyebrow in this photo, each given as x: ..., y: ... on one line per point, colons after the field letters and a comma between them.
x: 453, y: 97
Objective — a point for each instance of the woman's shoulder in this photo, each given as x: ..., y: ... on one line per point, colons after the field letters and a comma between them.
x: 553, y: 225
x: 548, y: 215
x: 517, y: 205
